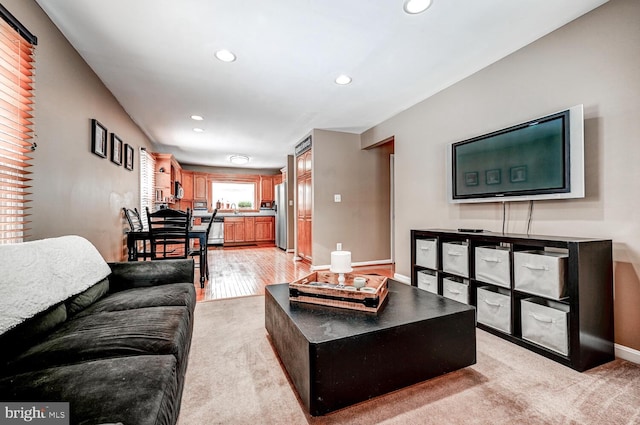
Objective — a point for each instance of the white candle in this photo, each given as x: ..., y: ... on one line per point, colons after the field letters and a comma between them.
x: 341, y: 262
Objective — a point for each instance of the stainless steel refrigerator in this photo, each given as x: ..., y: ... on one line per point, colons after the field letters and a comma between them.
x: 280, y: 208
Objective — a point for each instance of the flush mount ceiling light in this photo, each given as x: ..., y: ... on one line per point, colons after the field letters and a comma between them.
x: 196, y: 117
x: 239, y: 159
x: 414, y: 7
x: 343, y: 80
x: 225, y: 55
x: 198, y: 130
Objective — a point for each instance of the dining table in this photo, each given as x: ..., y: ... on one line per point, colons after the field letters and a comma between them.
x: 197, y: 232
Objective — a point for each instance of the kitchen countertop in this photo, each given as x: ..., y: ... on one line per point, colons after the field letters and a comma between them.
x: 262, y: 213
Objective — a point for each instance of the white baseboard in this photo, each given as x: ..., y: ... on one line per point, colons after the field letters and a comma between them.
x: 627, y: 353
x: 360, y: 264
x: 402, y: 278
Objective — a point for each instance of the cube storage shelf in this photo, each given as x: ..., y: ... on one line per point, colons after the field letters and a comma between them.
x: 551, y: 295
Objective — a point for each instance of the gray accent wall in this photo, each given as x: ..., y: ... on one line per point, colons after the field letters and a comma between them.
x: 361, y: 177
x: 594, y: 61
x: 74, y: 190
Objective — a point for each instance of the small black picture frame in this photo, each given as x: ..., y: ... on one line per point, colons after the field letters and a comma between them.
x: 116, y: 149
x: 471, y: 178
x: 98, y: 138
x: 518, y: 174
x: 493, y: 176
x: 128, y: 157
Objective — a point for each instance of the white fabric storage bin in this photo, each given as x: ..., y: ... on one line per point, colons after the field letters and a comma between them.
x: 540, y: 273
x: 494, y: 308
x: 493, y: 265
x: 545, y: 323
x: 455, y: 258
x: 426, y: 253
x: 428, y: 281
x: 455, y: 290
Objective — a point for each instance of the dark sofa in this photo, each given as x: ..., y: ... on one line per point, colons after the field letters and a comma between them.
x: 116, y: 352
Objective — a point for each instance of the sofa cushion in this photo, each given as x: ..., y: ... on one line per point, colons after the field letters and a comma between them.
x: 36, y: 275
x: 24, y: 335
x: 43, y: 323
x: 153, y: 330
x: 175, y: 294
x: 87, y: 297
x: 142, y: 390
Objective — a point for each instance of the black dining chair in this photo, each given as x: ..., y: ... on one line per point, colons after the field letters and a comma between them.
x: 135, y: 225
x: 196, y: 252
x: 133, y: 218
x: 169, y: 233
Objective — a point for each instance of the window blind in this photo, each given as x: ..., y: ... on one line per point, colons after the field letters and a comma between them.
x: 17, y: 70
x: 147, y: 185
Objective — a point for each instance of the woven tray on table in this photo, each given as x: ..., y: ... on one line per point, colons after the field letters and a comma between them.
x: 322, y: 288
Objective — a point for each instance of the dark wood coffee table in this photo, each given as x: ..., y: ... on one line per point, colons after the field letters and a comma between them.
x: 338, y: 357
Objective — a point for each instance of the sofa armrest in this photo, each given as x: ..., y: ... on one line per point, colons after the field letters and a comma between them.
x: 137, y: 274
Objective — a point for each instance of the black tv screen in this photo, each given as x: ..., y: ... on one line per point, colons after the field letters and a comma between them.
x: 527, y: 159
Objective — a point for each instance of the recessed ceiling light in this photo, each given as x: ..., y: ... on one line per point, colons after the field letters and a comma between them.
x: 239, y: 159
x: 198, y: 130
x: 343, y: 79
x: 414, y: 7
x: 225, y: 55
x: 196, y: 117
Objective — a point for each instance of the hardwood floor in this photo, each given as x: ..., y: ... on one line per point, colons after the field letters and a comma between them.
x: 237, y: 272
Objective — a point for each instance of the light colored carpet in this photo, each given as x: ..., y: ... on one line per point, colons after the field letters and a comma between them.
x: 234, y: 377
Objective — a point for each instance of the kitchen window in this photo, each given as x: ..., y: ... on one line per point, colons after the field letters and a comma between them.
x: 234, y: 195
x: 17, y: 69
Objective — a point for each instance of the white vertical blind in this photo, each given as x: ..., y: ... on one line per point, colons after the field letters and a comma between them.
x: 147, y: 185
x: 16, y: 97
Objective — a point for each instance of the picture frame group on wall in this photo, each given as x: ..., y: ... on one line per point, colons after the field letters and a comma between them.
x: 120, y: 152
x: 116, y: 149
x: 128, y: 157
x: 98, y: 138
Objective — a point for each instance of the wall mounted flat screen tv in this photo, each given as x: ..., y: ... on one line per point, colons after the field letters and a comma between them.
x: 539, y: 159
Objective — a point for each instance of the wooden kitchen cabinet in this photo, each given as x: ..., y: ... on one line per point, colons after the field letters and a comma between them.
x: 265, y: 229
x: 304, y: 205
x: 266, y: 188
x: 167, y: 172
x: 234, y: 230
x: 187, y: 185
x: 245, y: 230
x: 199, y: 187
x: 250, y: 229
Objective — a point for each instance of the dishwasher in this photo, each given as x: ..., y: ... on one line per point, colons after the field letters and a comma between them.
x: 216, y: 235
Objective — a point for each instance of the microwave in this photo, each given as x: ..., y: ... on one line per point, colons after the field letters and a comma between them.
x: 179, y: 191
x: 200, y: 205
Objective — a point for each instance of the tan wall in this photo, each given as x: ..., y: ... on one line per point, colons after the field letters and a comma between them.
x: 75, y: 191
x: 592, y: 61
x: 361, y: 221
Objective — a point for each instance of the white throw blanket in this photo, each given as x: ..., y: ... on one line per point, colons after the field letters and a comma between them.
x: 37, y: 275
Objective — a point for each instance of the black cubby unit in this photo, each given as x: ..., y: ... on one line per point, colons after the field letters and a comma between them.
x: 586, y: 305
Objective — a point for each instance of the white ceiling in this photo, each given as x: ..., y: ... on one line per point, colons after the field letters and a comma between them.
x: 157, y: 58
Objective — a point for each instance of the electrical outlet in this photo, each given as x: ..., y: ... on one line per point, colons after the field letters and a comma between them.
x: 337, y: 198
x: 339, y: 246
